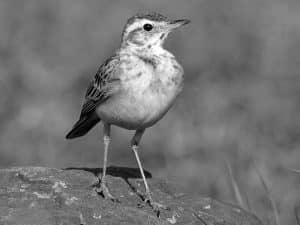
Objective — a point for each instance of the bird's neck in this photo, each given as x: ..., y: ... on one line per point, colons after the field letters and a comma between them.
x: 154, y: 56
x: 147, y: 51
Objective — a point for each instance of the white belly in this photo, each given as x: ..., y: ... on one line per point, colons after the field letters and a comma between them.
x: 132, y: 110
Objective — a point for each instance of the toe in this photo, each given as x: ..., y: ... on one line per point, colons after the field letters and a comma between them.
x: 104, y: 191
x: 155, y: 205
x: 158, y: 206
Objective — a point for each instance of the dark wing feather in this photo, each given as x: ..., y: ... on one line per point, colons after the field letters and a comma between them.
x: 105, y: 83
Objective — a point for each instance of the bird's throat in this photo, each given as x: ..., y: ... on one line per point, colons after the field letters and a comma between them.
x: 148, y: 54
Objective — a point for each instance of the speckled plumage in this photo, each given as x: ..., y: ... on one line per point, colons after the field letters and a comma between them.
x: 142, y: 94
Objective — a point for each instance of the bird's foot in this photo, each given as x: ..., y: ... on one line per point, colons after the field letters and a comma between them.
x: 157, y: 207
x: 104, y: 191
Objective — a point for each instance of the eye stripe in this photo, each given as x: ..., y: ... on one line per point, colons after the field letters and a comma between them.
x: 151, y: 16
x: 136, y: 29
x: 135, y: 26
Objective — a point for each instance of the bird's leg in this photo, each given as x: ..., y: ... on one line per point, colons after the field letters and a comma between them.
x: 103, y: 190
x: 148, y: 197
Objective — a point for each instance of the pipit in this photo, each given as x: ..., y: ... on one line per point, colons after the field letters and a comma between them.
x: 134, y: 88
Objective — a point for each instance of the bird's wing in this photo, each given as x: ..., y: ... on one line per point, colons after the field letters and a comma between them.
x: 105, y: 84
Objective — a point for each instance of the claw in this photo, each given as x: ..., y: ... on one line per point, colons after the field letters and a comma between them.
x: 104, y: 191
x: 157, y: 207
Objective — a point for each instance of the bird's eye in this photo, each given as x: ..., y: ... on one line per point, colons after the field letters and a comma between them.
x: 148, y: 27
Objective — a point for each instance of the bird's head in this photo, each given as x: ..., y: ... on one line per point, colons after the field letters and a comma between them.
x: 149, y: 30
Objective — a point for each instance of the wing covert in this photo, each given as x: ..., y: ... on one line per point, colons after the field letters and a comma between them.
x: 105, y: 83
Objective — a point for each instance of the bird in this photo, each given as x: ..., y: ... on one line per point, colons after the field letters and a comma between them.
x: 133, y: 89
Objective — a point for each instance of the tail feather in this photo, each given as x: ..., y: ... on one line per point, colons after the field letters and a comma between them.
x: 82, y: 126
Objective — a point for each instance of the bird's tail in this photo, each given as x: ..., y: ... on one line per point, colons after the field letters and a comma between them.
x: 83, y: 125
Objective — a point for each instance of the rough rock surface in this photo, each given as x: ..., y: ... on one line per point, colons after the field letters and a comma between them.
x: 44, y: 196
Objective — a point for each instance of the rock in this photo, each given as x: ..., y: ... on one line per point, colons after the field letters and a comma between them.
x: 45, y: 196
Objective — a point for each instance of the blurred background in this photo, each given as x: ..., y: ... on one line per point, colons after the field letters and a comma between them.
x: 239, y: 110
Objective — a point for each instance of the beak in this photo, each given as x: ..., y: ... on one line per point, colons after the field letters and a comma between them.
x: 178, y: 23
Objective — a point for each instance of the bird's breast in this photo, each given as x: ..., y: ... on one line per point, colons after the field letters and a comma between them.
x: 146, y: 94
